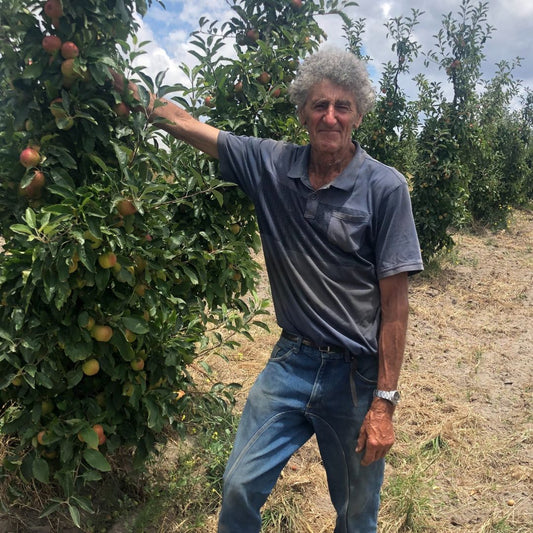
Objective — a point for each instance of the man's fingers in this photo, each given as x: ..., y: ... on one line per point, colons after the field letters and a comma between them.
x: 361, y: 441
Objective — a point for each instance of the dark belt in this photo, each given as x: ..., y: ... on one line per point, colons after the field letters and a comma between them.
x: 307, y: 342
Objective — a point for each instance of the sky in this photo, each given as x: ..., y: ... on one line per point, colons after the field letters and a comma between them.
x: 169, y: 30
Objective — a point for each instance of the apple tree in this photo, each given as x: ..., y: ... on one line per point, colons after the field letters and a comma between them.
x: 115, y: 262
x: 123, y: 254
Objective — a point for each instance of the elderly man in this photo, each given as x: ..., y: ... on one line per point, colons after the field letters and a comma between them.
x: 339, y: 242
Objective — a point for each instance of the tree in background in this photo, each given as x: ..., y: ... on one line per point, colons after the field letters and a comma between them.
x: 389, y: 132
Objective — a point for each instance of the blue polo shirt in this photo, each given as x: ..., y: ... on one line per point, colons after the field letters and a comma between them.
x: 325, y: 250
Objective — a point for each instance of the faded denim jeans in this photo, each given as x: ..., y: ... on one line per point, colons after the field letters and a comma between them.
x: 303, y: 391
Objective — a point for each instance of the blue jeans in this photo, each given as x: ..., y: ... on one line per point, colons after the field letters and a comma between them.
x: 300, y: 392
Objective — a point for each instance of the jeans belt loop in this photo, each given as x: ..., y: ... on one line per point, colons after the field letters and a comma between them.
x: 299, y: 343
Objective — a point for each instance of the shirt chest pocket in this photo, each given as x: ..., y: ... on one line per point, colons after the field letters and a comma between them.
x: 348, y: 231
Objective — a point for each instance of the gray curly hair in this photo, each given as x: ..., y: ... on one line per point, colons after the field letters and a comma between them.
x: 341, y: 68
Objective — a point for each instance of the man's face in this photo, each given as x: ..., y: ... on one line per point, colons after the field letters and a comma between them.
x: 330, y: 115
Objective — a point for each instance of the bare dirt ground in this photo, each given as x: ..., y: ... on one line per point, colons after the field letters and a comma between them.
x: 463, y: 459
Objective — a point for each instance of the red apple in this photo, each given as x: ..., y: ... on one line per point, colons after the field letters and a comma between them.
x: 126, y: 207
x: 209, y: 101
x: 99, y: 430
x: 69, y: 50
x: 264, y: 78
x: 297, y: 4
x: 252, y: 34
x: 53, y: 9
x: 102, y: 333
x: 238, y: 87
x: 107, y: 260
x: 29, y: 157
x: 140, y: 289
x: 41, y: 436
x: 34, y: 189
x: 276, y: 93
x: 122, y: 110
x: 51, y: 44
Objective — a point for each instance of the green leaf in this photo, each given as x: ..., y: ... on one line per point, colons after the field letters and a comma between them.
x: 51, y: 508
x: 58, y: 209
x: 154, y: 415
x: 40, y: 469
x: 74, y: 514
x: 96, y: 460
x: 218, y: 197
x: 30, y: 218
x: 91, y: 475
x: 43, y: 379
x: 90, y: 437
x: 83, y: 502
x: 122, y: 153
x: 74, y: 377
x: 78, y: 351
x: 123, y: 346
x: 190, y: 274
x: 102, y: 278
x: 86, y: 116
x: 95, y: 159
x: 21, y: 229
x: 136, y: 325
x: 33, y: 71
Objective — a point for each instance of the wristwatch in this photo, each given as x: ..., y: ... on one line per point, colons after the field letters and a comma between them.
x: 392, y: 396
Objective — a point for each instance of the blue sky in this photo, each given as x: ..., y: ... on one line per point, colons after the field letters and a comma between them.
x: 169, y: 31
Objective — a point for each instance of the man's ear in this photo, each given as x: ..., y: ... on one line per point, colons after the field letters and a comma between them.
x: 357, y: 122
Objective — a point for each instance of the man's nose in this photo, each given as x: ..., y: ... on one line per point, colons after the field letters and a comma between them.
x: 329, y: 115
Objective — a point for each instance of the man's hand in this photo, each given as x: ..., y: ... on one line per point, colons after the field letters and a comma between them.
x: 377, y: 432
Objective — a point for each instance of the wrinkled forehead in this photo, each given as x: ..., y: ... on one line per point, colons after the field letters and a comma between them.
x: 329, y: 91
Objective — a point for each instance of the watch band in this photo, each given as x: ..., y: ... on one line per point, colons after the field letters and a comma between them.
x: 392, y: 396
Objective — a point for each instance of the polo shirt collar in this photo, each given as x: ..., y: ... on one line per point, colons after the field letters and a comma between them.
x: 345, y: 180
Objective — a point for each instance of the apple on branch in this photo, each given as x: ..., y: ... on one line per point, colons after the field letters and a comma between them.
x: 107, y: 260
x: 34, y: 189
x: 90, y: 367
x: 101, y: 333
x: 69, y: 50
x: 29, y: 157
x: 53, y: 9
x: 51, y: 44
x: 126, y: 207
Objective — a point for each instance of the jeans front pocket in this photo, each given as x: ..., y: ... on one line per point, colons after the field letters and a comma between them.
x: 363, y: 381
x: 282, y: 350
